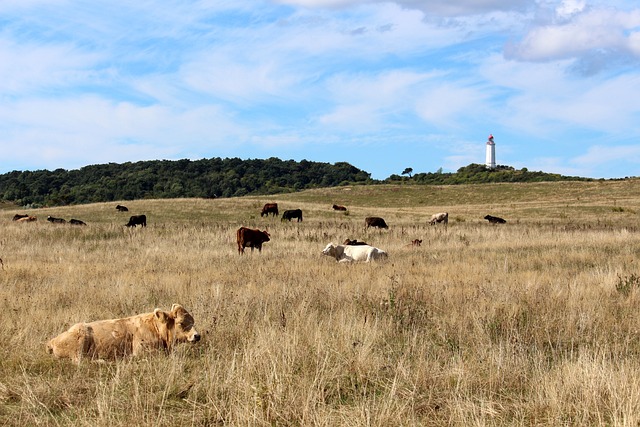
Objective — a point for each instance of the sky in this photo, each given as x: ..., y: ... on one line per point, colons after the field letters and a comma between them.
x: 382, y: 85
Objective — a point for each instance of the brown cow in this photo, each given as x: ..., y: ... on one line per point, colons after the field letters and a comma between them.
x: 251, y: 238
x: 137, y: 220
x: 375, y: 221
x: 354, y: 242
x: 27, y: 218
x: 117, y: 338
x: 495, y: 219
x: 19, y: 216
x: 339, y: 208
x: 269, y: 208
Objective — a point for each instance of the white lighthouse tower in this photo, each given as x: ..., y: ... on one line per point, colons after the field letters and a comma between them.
x: 491, y: 153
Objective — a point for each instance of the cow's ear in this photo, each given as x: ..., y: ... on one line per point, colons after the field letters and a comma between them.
x: 160, y: 315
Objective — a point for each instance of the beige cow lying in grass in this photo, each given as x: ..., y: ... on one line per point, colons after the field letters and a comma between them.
x: 116, y: 338
x: 348, y: 253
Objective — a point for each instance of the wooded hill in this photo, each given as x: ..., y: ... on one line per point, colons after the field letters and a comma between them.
x: 216, y: 177
x: 162, y: 179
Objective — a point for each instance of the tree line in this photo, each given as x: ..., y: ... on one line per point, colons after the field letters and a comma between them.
x: 479, y: 174
x: 161, y: 179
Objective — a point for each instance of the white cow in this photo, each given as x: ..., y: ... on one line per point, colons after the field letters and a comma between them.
x: 347, y: 253
x: 439, y: 217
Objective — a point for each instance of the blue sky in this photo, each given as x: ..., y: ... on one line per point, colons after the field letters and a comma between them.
x: 383, y: 85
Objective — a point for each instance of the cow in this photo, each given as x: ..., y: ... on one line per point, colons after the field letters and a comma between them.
x: 269, y: 208
x: 292, y: 213
x: 439, y: 217
x: 137, y: 220
x: 27, y: 218
x: 19, y: 216
x: 375, y: 221
x: 251, y: 238
x: 354, y: 242
x: 56, y: 220
x: 129, y: 336
x: 121, y: 208
x: 339, y: 208
x: 348, y: 253
x: 76, y: 222
x: 495, y: 219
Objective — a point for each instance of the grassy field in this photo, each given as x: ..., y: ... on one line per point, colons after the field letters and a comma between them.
x: 534, y: 322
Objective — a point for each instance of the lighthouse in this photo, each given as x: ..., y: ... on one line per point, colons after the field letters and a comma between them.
x: 491, y: 153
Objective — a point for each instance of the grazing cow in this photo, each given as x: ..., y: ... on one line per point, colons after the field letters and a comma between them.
x: 347, y: 253
x: 76, y: 222
x: 439, y: 217
x: 269, y: 208
x: 121, y: 208
x: 375, y: 221
x: 339, y: 208
x: 137, y: 220
x: 19, y: 216
x: 118, y: 338
x: 416, y: 242
x: 355, y: 242
x: 27, y: 218
x: 293, y: 213
x: 494, y: 219
x: 56, y: 220
x: 251, y: 238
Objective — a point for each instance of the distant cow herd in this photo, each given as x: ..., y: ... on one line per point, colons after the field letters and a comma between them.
x: 255, y: 238
x: 134, y: 220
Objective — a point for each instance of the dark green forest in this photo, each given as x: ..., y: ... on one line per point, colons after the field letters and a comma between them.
x: 162, y: 179
x: 216, y: 177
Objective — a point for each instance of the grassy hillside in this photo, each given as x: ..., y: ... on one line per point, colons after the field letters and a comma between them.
x: 534, y: 322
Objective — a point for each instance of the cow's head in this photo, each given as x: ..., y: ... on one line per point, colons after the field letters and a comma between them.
x: 177, y: 323
x: 332, y: 250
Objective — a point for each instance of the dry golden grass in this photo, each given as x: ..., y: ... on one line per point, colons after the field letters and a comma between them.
x: 535, y: 322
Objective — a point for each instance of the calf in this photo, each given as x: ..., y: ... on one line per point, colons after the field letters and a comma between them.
x: 137, y: 220
x: 339, y: 208
x: 121, y: 208
x: 19, y: 216
x: 250, y: 238
x: 290, y: 214
x: 375, y: 221
x: 27, y: 219
x: 494, y: 219
x: 416, y: 242
x: 117, y: 338
x: 56, y: 220
x: 76, y: 222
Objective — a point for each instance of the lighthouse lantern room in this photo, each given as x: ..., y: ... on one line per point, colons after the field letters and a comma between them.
x: 491, y: 153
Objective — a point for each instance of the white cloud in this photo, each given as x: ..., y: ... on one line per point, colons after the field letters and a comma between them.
x: 568, y: 8
x: 599, y: 155
x: 588, y: 32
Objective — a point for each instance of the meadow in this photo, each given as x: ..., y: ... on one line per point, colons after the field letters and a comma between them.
x: 534, y: 322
